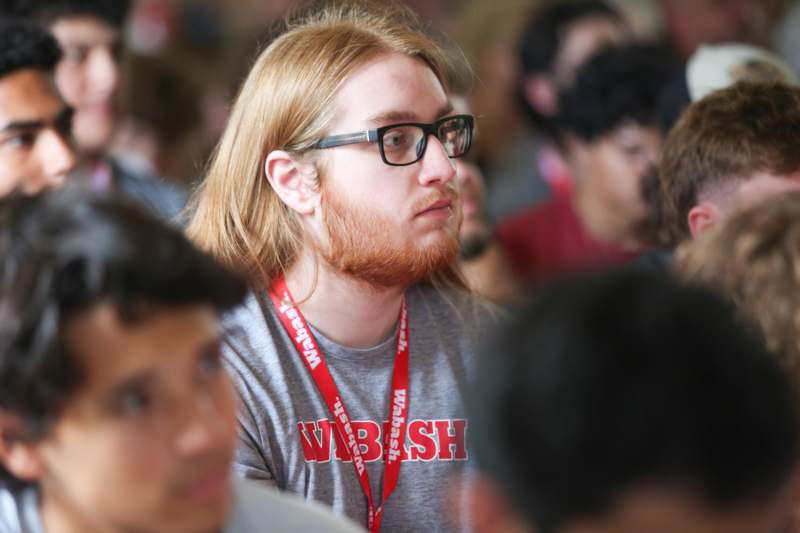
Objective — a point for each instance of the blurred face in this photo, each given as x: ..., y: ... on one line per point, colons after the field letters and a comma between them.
x: 147, y: 441
x: 584, y: 38
x: 694, y: 22
x: 35, y: 153
x: 88, y: 77
x: 609, y: 170
x: 473, y: 199
x: 388, y: 225
x: 672, y: 511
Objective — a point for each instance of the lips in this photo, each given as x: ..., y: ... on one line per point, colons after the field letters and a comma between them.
x: 211, y: 486
x: 437, y: 205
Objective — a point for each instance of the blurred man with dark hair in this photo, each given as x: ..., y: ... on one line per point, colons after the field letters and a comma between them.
x: 627, y: 403
x: 115, y: 411
x: 556, y: 41
x: 35, y: 151
x: 608, y: 124
x: 88, y: 77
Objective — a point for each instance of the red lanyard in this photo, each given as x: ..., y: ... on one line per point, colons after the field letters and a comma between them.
x: 308, y: 350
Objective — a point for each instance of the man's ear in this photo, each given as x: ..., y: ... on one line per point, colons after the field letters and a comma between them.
x: 17, y: 453
x: 702, y: 217
x: 294, y: 181
x: 540, y: 93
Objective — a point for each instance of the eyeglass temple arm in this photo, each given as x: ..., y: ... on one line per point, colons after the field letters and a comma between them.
x: 347, y: 138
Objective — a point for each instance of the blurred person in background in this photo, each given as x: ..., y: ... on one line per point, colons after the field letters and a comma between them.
x: 732, y: 149
x: 116, y: 413
x: 710, y: 68
x: 90, y: 33
x: 558, y: 38
x: 753, y: 258
x: 628, y: 403
x: 691, y: 23
x: 483, y: 260
x: 608, y: 127
x: 35, y: 147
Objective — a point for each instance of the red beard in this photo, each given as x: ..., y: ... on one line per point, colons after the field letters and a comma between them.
x: 360, y: 244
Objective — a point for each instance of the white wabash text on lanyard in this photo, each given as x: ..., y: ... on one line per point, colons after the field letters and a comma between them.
x: 308, y: 350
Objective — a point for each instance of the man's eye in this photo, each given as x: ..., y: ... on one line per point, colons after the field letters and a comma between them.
x: 133, y: 403
x: 398, y: 139
x: 23, y: 140
x: 632, y: 150
x: 76, y: 54
x: 210, y: 364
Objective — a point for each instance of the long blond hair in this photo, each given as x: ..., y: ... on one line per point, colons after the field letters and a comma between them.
x: 286, y: 103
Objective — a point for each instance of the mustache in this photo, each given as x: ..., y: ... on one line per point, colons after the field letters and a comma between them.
x: 427, y: 201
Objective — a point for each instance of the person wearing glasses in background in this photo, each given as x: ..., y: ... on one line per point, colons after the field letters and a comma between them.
x: 334, y: 188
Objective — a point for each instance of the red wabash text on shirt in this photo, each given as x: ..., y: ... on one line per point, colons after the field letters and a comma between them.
x: 428, y: 440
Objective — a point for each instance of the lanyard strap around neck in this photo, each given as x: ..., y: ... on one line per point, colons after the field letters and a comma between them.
x: 308, y: 350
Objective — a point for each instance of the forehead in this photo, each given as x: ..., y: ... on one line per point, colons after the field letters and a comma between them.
x: 84, y: 31
x: 28, y: 95
x: 111, y: 351
x: 389, y: 84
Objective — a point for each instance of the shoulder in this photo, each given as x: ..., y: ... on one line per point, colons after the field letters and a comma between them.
x: 17, y: 510
x: 249, y: 340
x: 453, y: 308
x: 165, y: 198
x: 256, y: 506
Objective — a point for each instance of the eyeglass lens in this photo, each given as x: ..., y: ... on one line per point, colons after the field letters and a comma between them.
x: 405, y: 144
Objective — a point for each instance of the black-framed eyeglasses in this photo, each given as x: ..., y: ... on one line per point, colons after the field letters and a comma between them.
x: 405, y: 143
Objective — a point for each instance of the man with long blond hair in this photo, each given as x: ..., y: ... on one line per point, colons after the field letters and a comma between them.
x: 333, y: 189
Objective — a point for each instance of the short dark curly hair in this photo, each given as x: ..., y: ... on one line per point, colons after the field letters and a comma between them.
x: 544, y: 35
x: 619, y: 84
x: 115, y: 12
x: 62, y: 253
x: 24, y: 45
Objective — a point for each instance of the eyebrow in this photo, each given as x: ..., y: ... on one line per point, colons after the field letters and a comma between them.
x: 27, y: 125
x: 406, y: 116
x: 143, y: 379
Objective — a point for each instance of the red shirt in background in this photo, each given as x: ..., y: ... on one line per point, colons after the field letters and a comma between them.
x: 550, y: 240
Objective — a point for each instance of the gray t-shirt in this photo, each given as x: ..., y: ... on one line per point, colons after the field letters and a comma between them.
x: 287, y: 434
x: 255, y: 509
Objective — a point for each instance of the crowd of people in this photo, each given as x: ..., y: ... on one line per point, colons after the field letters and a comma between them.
x: 352, y: 322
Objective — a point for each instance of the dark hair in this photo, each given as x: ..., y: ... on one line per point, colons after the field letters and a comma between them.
x: 543, y: 37
x: 726, y: 138
x: 47, y: 12
x: 617, y: 380
x: 66, y: 251
x: 619, y: 84
x: 24, y: 45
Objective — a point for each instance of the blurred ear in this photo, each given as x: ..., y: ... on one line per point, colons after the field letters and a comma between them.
x: 702, y: 217
x: 17, y: 454
x: 294, y: 181
x: 489, y: 508
x: 541, y: 95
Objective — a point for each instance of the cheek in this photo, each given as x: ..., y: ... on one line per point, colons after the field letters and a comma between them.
x: 111, y: 468
x: 12, y: 172
x: 70, y: 81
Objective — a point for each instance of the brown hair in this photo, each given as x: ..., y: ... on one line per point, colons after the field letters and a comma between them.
x: 724, y: 139
x: 754, y: 260
x: 286, y: 103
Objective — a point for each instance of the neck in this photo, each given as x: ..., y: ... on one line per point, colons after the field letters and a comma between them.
x: 601, y: 223
x: 347, y: 311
